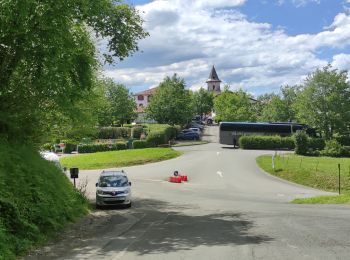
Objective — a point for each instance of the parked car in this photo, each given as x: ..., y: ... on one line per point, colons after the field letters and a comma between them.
x: 195, y: 125
x: 188, y: 136
x: 113, y: 188
x: 196, y: 130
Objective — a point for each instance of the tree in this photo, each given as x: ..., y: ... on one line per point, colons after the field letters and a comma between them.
x: 203, y: 102
x: 48, y: 59
x: 171, y: 103
x: 122, y: 104
x: 324, y: 101
x: 234, y: 106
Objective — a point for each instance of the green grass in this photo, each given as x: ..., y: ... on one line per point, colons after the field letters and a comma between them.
x: 119, y: 158
x: 189, y: 143
x: 317, y: 172
x: 340, y: 199
x: 36, y: 200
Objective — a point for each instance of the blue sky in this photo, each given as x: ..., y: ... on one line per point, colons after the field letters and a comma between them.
x: 257, y: 45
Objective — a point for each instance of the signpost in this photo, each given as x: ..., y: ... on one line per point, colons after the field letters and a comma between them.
x: 74, y: 174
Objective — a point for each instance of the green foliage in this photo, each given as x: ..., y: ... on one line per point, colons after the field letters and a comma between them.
x: 48, y: 61
x: 139, y: 144
x: 203, y: 102
x: 69, y: 146
x: 323, y: 101
x: 122, y: 103
x: 301, y: 143
x: 119, y: 158
x: 121, y: 146
x: 171, y: 103
x: 47, y: 147
x: 137, y: 131
x: 114, y: 132
x: 315, y: 144
x: 156, y: 138
x: 343, y: 139
x: 331, y: 199
x: 266, y: 142
x: 46, y: 203
x: 93, y: 148
x: 234, y: 106
x: 317, y: 172
x: 333, y: 149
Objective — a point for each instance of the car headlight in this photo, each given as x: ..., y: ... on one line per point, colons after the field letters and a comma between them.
x: 100, y: 192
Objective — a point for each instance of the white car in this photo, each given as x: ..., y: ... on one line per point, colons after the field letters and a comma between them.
x: 113, y: 188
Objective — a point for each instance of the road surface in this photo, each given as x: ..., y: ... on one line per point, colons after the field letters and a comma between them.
x: 229, y: 209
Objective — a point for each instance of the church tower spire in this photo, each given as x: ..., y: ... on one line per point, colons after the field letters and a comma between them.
x: 213, y: 82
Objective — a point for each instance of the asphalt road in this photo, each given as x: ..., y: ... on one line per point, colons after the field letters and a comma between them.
x: 229, y: 209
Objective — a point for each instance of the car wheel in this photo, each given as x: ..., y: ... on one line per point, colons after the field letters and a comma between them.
x: 98, y: 206
x: 128, y: 205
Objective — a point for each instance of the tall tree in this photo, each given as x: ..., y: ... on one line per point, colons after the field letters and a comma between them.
x: 122, y: 104
x: 324, y: 101
x: 48, y: 59
x: 171, y: 103
x: 234, y: 106
x: 203, y: 102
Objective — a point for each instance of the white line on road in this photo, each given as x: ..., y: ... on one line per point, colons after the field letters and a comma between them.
x: 219, y: 173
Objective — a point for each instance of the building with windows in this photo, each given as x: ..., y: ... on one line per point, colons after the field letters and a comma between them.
x: 142, y: 100
x: 213, y: 82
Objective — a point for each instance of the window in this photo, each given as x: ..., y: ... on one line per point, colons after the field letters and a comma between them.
x: 140, y: 105
x: 139, y: 97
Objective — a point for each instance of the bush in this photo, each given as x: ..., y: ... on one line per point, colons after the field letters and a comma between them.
x: 156, y: 138
x: 139, y: 144
x: 315, y: 144
x: 333, y: 149
x: 114, y: 132
x: 346, y: 151
x: 266, y: 142
x: 69, y: 146
x: 343, y: 139
x: 137, y: 131
x: 93, y: 148
x: 121, y: 146
x: 301, y: 143
x: 47, y: 147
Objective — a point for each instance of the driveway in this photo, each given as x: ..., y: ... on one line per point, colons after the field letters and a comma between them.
x: 229, y: 209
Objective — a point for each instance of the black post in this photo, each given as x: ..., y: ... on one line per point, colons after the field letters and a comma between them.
x: 339, y: 177
x: 74, y: 183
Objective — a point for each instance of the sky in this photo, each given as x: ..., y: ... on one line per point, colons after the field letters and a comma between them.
x: 256, y: 45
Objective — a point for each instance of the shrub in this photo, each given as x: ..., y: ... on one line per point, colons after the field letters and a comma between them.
x: 343, y: 139
x: 333, y: 149
x: 315, y: 144
x: 301, y: 143
x: 137, y: 131
x: 47, y: 147
x: 266, y: 142
x: 114, y: 132
x: 69, y: 146
x: 346, y: 151
x: 139, y: 144
x: 93, y: 148
x: 156, y: 138
x: 121, y: 146
x: 171, y: 132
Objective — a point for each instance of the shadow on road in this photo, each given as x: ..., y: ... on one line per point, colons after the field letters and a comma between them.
x: 158, y: 228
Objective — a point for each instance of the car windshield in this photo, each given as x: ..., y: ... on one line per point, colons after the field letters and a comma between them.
x: 113, y: 181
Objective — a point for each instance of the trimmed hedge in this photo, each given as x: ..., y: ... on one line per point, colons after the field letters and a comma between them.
x: 139, y: 144
x: 137, y: 131
x: 316, y: 144
x: 93, y: 148
x: 69, y: 146
x: 266, y: 142
x: 343, y: 139
x: 114, y: 132
x: 161, y: 137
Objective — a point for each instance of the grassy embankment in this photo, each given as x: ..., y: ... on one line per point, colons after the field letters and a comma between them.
x: 36, y: 200
x: 119, y: 158
x: 317, y: 172
x: 189, y: 143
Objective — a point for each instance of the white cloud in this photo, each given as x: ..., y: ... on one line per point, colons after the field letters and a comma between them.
x: 299, y: 3
x: 342, y: 62
x: 188, y: 37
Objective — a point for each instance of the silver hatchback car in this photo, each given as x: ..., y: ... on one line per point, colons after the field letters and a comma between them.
x: 113, y: 188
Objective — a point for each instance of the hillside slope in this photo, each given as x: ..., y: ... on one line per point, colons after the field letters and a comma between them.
x: 36, y: 199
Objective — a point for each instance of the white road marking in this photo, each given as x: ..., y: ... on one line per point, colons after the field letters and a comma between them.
x: 219, y: 173
x: 280, y: 195
x: 217, y: 153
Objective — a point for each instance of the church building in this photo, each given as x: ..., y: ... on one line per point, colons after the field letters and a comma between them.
x: 213, y: 82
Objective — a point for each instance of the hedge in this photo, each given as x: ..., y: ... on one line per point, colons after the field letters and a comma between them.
x: 114, y: 132
x: 316, y: 143
x: 343, y: 139
x: 161, y: 137
x: 93, y: 148
x: 137, y: 131
x: 139, y: 144
x: 266, y: 142
x: 69, y: 146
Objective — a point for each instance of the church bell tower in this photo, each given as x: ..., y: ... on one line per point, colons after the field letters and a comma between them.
x: 213, y: 82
